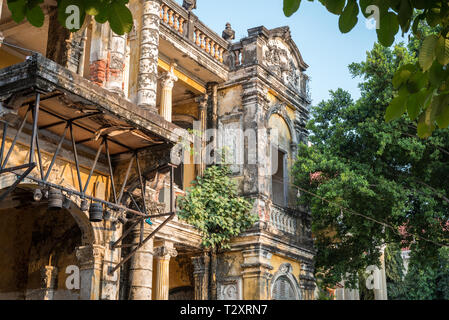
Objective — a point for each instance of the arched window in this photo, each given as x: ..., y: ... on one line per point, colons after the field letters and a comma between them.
x: 283, y: 289
x: 284, y: 285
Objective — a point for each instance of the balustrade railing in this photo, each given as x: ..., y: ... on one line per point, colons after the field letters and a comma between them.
x: 283, y: 220
x: 188, y: 26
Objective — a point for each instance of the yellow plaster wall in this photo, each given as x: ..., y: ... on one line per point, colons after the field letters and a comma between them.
x: 63, y: 172
x: 277, y: 261
x: 7, y: 59
x: 229, y: 99
x: 190, y: 109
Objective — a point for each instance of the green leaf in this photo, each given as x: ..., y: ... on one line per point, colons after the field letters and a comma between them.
x: 335, y: 6
x: 35, y: 16
x: 417, y: 81
x: 417, y: 102
x: 403, y: 74
x: 397, y: 107
x: 18, y: 10
x: 427, y: 52
x: 120, y: 18
x: 442, y: 50
x: 348, y: 18
x: 291, y: 6
x: 442, y: 111
x: 436, y: 74
x: 405, y: 15
x: 389, y: 27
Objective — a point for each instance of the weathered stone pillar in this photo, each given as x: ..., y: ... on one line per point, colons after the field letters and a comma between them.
x: 380, y: 293
x: 307, y: 280
x: 116, y: 65
x: 149, y: 52
x: 201, y: 276
x: 162, y: 255
x: 90, y: 260
x: 167, y: 82
x: 141, y: 268
x: 256, y: 274
x: 200, y: 143
x: 99, y: 53
x: 49, y: 276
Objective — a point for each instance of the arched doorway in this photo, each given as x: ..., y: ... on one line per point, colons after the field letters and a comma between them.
x: 38, y: 247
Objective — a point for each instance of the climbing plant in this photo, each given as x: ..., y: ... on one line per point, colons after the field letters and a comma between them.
x: 422, y: 88
x: 72, y: 13
x: 214, y: 207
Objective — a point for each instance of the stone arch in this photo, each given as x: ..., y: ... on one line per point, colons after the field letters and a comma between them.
x: 284, y: 285
x: 280, y: 109
x: 89, y: 234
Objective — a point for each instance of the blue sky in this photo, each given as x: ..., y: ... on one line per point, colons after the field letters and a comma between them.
x: 314, y: 29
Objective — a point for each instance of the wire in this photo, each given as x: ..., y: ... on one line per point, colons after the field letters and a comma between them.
x: 2, y: 41
x: 393, y: 228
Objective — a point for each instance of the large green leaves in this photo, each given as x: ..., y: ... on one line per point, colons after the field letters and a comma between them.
x: 72, y: 13
x: 423, y: 85
x: 120, y: 18
x: 348, y: 18
x: 291, y: 6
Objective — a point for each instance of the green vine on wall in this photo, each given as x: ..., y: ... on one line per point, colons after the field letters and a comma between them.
x: 214, y: 207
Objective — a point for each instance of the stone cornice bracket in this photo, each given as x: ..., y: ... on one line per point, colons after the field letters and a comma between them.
x: 166, y: 251
x: 200, y: 264
x: 89, y: 256
x: 203, y: 101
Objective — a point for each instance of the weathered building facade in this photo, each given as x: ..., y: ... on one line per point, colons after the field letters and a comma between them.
x: 90, y: 122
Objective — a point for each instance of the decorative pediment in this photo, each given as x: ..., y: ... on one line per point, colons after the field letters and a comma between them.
x: 282, y: 57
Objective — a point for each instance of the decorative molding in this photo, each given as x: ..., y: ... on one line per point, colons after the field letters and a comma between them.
x: 284, y: 276
x: 230, y: 288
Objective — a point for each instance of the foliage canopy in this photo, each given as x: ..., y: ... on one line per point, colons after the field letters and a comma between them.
x: 422, y: 87
x: 113, y: 11
x: 368, y: 182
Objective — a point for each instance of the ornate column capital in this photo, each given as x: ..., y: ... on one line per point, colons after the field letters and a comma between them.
x: 166, y: 251
x: 203, y: 102
x: 169, y: 78
x: 90, y: 256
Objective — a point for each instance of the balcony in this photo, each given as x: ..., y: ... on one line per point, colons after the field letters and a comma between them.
x: 198, y: 49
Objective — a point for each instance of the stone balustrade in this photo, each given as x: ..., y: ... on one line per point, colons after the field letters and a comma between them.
x: 188, y: 26
x: 283, y: 220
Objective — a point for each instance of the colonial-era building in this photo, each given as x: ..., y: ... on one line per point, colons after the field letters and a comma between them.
x: 89, y: 124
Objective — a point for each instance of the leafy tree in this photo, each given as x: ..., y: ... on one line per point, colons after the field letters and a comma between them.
x: 422, y: 281
x: 364, y: 179
x: 213, y: 206
x: 422, y: 87
x: 113, y: 11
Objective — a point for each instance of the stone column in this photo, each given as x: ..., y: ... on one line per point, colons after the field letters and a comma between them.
x: 162, y: 255
x: 90, y: 260
x: 168, y: 80
x: 149, y: 52
x: 201, y: 276
x: 141, y: 268
x: 200, y: 142
x: 256, y: 274
x: 99, y: 53
x: 380, y: 293
x: 115, y: 75
x: 49, y: 276
x: 307, y: 280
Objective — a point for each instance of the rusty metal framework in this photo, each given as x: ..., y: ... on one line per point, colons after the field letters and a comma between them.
x: 140, y: 213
